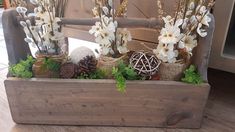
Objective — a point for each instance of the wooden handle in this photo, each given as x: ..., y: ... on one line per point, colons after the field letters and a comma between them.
x: 122, y: 22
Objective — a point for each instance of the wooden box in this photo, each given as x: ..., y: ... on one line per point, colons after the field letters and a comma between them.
x: 97, y: 102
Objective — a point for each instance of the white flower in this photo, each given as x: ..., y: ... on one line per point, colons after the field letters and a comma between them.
x: 107, y: 34
x: 28, y: 40
x: 23, y: 24
x: 110, y: 2
x: 95, y: 29
x: 105, y: 38
x: 202, y: 32
x: 126, y: 35
x: 201, y: 9
x: 112, y: 26
x: 169, y: 35
x: 123, y: 36
x: 28, y: 22
x: 205, y: 20
x: 193, y: 20
x: 105, y: 10
x: 55, y: 23
x: 191, y: 6
x: 178, y: 22
x: 168, y: 20
x: 188, y: 42
x: 166, y: 53
x: 189, y: 12
x: 105, y: 49
x: 22, y: 10
x: 35, y: 2
x: 203, y: 15
x: 122, y: 49
x: 109, y: 24
x: 185, y: 23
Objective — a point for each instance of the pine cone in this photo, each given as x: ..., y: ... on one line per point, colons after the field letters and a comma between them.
x: 87, y: 65
x: 68, y: 70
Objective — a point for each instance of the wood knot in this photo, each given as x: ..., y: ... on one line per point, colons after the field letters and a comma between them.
x: 175, y: 118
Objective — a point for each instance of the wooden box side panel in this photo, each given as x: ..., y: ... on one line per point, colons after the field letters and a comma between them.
x: 96, y: 102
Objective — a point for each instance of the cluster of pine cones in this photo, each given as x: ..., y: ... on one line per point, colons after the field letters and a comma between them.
x: 85, y: 66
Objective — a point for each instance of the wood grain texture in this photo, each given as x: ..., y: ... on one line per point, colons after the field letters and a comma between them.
x: 14, y: 36
x: 219, y: 114
x: 96, y: 102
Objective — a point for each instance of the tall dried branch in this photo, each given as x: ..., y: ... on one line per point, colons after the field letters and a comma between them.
x: 160, y: 9
x: 60, y: 6
x: 122, y: 9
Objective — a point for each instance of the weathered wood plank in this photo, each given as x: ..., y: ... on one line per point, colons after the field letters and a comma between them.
x: 14, y: 36
x: 96, y: 102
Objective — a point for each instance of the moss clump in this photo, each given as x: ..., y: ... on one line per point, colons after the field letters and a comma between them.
x: 192, y: 76
x: 23, y: 69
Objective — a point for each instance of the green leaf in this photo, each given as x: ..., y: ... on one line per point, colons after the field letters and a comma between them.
x: 121, y: 84
x: 191, y: 76
x: 122, y: 73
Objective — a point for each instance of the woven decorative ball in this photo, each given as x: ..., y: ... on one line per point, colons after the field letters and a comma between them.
x: 145, y: 64
x: 68, y: 70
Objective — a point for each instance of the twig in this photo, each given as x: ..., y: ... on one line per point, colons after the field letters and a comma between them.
x: 177, y: 12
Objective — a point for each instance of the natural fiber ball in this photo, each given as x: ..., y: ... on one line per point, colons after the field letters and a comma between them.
x: 145, y: 64
x: 68, y: 70
x: 80, y: 53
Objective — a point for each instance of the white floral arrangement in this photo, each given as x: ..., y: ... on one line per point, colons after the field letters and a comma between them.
x: 180, y: 33
x: 45, y: 32
x: 112, y: 40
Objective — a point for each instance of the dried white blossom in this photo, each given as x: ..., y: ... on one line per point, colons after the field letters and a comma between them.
x: 22, y: 11
x: 45, y: 34
x: 170, y: 34
x: 166, y: 53
x: 202, y: 32
x: 105, y: 10
x: 110, y: 39
x: 23, y: 24
x: 96, y: 29
x: 35, y: 2
x: 188, y: 43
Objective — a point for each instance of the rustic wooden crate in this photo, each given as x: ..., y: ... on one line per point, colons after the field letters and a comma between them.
x: 97, y: 102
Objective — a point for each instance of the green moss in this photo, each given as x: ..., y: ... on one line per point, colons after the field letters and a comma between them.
x: 23, y: 69
x: 192, y: 76
x: 51, y: 64
x: 98, y: 74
